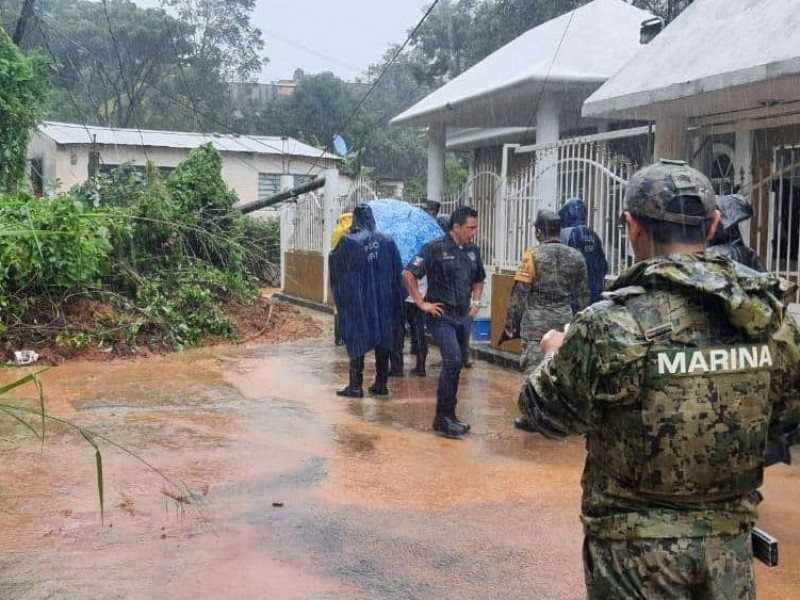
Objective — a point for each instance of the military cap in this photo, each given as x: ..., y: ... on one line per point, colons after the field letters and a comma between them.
x: 547, y: 219
x: 664, y: 191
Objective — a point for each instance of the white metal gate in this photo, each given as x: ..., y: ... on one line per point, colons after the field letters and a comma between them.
x: 585, y: 167
x: 774, y: 230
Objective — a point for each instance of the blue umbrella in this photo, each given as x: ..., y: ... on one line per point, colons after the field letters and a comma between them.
x: 409, y: 226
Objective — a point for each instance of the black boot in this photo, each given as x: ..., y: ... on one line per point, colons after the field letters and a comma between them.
x: 459, y: 422
x: 382, y: 358
x: 396, y: 364
x: 419, y: 370
x: 353, y: 389
x: 524, y: 424
x: 447, y: 426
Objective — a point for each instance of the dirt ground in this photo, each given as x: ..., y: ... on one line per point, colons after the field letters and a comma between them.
x: 265, y: 321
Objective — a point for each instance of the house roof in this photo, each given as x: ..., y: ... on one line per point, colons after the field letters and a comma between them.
x: 576, y: 51
x: 73, y: 133
x: 711, y: 50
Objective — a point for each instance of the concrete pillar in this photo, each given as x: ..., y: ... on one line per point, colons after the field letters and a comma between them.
x: 436, y: 141
x: 330, y: 214
x: 547, y: 131
x: 670, y: 138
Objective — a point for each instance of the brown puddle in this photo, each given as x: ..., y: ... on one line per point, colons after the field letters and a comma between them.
x: 283, y: 490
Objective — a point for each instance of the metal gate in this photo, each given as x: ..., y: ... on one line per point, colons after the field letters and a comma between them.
x: 775, y: 228
x: 588, y: 167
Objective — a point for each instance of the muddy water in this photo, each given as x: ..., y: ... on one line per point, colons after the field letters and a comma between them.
x: 279, y: 489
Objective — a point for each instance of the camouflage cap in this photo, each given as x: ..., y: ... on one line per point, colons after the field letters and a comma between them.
x: 547, y: 218
x: 660, y: 191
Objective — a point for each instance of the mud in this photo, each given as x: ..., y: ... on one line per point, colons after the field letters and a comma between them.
x: 276, y: 488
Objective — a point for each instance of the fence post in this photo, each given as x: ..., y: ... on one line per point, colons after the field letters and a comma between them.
x: 329, y: 216
x: 285, y: 234
x: 501, y: 210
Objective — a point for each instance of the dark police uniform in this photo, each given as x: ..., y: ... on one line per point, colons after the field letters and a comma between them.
x: 451, y: 272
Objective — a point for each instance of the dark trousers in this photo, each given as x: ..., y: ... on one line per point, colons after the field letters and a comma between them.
x: 416, y: 327
x: 451, y: 332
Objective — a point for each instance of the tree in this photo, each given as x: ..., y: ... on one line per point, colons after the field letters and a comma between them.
x: 224, y: 40
x: 23, y: 88
x: 111, y: 56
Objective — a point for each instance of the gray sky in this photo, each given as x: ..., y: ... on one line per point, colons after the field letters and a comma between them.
x: 341, y: 36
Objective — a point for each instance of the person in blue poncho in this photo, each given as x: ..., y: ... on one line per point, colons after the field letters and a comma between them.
x: 365, y: 272
x: 576, y: 234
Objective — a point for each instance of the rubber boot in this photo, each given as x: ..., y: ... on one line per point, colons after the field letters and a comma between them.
x: 354, y: 388
x: 378, y: 388
x: 396, y: 364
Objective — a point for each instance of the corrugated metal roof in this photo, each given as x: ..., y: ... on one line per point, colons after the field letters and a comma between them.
x: 73, y: 133
x: 584, y: 46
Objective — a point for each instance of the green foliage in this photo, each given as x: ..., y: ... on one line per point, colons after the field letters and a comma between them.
x: 164, y: 258
x: 52, y: 245
x: 23, y: 89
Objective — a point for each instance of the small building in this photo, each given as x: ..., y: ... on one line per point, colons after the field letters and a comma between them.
x: 255, y: 167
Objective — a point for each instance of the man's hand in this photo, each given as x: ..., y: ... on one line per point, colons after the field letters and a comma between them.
x: 473, y: 311
x: 434, y: 309
x: 552, y: 341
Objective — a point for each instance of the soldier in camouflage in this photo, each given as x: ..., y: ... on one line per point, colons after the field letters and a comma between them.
x: 549, y: 280
x: 677, y: 378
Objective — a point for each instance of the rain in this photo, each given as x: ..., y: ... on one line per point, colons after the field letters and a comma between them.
x: 290, y: 295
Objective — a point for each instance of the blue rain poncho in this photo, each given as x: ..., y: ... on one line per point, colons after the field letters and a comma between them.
x: 365, y: 273
x: 576, y: 234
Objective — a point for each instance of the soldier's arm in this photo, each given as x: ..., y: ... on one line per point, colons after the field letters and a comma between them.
x: 785, y: 380
x: 523, y: 278
x: 516, y: 306
x: 600, y: 363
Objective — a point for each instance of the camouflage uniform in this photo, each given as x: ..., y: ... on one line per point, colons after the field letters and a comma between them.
x: 549, y: 277
x: 677, y: 378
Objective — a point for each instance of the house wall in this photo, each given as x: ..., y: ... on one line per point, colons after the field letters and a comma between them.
x: 68, y: 165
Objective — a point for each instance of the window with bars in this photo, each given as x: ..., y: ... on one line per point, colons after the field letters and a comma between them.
x: 269, y: 184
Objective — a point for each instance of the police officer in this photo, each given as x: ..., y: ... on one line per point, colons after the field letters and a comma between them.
x: 455, y: 275
x: 550, y: 280
x: 677, y: 378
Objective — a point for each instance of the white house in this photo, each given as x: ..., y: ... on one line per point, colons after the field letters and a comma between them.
x: 530, y: 89
x: 255, y: 167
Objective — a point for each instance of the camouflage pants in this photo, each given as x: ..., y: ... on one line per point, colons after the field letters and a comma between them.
x: 531, y: 356
x: 703, y: 568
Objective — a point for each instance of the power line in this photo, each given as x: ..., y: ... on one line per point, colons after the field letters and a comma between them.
x: 383, y: 72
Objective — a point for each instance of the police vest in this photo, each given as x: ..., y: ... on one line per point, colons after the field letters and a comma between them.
x: 699, y: 426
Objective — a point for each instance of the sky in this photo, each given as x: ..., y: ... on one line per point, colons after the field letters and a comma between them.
x: 340, y: 36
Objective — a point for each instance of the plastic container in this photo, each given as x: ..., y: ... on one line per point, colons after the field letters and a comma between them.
x: 481, y: 329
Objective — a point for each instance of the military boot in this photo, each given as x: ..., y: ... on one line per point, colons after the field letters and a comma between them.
x: 444, y: 424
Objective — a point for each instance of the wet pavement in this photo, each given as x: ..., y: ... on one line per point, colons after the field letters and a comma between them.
x: 282, y: 490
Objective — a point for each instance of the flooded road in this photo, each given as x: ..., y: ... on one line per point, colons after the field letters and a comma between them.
x: 285, y: 491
